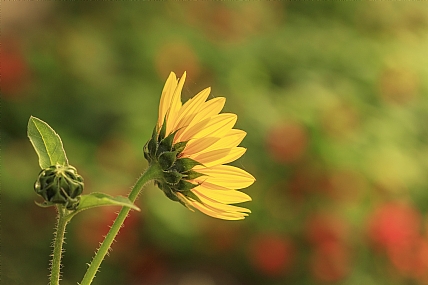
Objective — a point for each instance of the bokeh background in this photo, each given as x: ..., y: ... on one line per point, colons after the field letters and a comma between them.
x: 333, y: 96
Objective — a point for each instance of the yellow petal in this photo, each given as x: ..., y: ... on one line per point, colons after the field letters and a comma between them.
x: 190, y: 109
x: 166, y: 97
x: 222, y: 196
x: 210, y: 154
x: 211, y: 186
x: 205, y: 112
x: 230, y: 140
x: 226, y: 176
x: 175, y: 105
x: 218, y: 126
x: 218, y: 156
x: 221, y: 207
x: 216, y: 213
x: 210, y: 108
x: 187, y: 133
x: 197, y: 145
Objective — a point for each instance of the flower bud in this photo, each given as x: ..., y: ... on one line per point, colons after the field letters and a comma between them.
x: 60, y: 184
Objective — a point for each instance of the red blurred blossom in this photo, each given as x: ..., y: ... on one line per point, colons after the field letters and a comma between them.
x: 287, y: 142
x: 14, y: 69
x: 330, y: 262
x: 393, y: 225
x: 329, y: 236
x: 395, y: 228
x: 420, y: 269
x: 271, y: 254
x: 410, y: 258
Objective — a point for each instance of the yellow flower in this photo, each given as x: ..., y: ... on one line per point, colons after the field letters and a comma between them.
x: 192, y: 142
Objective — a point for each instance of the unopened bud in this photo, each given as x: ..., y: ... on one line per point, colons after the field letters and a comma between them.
x: 60, y: 184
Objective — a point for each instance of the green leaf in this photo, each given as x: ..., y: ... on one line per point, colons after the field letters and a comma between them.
x: 97, y: 199
x: 46, y: 143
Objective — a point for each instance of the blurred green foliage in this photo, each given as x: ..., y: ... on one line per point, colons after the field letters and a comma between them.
x: 333, y: 96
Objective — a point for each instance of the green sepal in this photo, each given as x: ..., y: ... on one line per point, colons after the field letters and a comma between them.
x: 185, y: 164
x: 171, y: 195
x: 183, y: 186
x: 192, y: 195
x: 162, y: 131
x: 155, y: 133
x: 152, y: 147
x: 172, y: 177
x: 167, y: 159
x: 191, y: 174
x: 183, y: 201
x: 44, y: 204
x: 169, y: 192
x: 146, y: 153
x: 166, y: 144
x: 179, y: 147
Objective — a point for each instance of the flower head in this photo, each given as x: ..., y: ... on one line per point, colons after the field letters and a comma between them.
x: 192, y: 143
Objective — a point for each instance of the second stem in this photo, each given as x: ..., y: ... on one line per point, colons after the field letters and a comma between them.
x: 152, y: 172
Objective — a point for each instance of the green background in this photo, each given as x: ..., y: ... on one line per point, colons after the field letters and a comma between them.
x: 333, y: 96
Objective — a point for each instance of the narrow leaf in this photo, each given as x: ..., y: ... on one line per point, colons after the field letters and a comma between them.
x: 100, y: 199
x: 46, y: 143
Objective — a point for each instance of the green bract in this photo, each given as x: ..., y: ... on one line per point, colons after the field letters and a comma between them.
x: 59, y: 184
x: 177, y: 171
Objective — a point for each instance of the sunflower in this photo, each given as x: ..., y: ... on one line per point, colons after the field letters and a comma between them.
x: 193, y: 143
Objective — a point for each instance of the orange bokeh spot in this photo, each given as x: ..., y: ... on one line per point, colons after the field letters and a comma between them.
x: 271, y: 254
x: 287, y: 142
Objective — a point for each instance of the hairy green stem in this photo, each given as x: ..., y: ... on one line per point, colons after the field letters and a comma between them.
x: 151, y: 173
x: 57, y: 246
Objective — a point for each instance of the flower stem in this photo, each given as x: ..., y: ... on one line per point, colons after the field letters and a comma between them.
x: 58, y: 242
x: 152, y: 172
